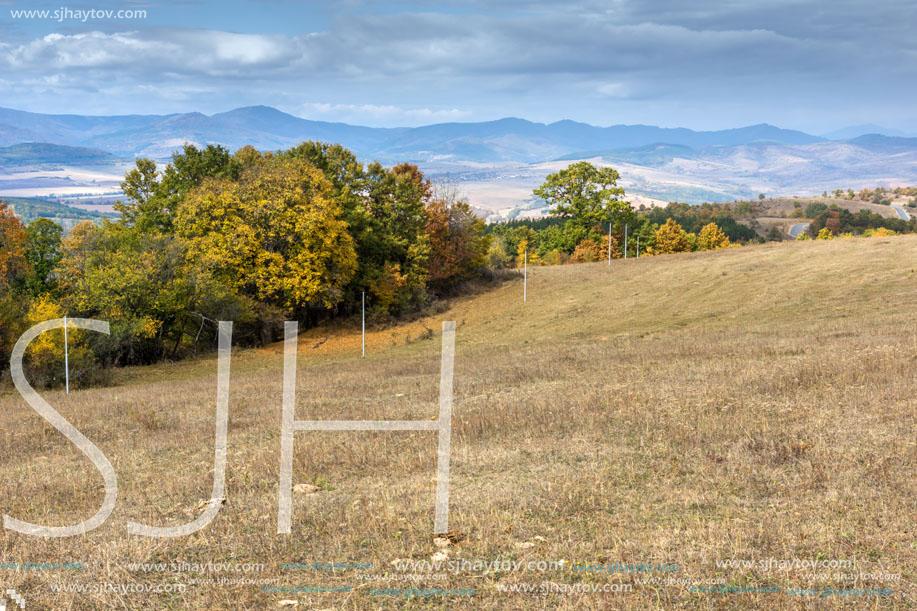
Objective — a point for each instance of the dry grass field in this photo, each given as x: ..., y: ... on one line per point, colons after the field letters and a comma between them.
x: 750, y: 404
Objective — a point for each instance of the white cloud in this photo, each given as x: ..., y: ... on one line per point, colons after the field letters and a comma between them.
x: 372, y: 113
x: 155, y: 52
x: 615, y: 90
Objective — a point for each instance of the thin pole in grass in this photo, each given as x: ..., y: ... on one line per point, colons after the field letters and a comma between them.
x: 66, y: 357
x: 625, y: 241
x: 638, y: 246
x: 363, y: 309
x: 525, y: 275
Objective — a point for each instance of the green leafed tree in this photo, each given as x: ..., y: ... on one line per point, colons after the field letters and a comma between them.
x: 384, y: 211
x: 146, y: 285
x: 43, y: 242
x: 587, y: 195
x: 154, y: 198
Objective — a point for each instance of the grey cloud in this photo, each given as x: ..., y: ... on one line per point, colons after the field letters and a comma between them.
x: 584, y: 53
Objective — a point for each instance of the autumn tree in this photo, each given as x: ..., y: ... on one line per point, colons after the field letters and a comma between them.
x: 14, y: 265
x: 833, y: 223
x: 396, y: 201
x: 458, y: 245
x: 384, y: 212
x: 587, y: 251
x: 147, y: 286
x: 14, y: 269
x: 615, y: 245
x: 711, y: 237
x: 525, y: 254
x: 670, y: 238
x: 43, y: 361
x: 275, y: 235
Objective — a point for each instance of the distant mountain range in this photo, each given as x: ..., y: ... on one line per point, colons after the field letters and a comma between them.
x: 497, y: 163
x: 267, y: 128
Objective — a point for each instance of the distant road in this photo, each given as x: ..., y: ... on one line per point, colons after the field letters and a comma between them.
x: 796, y: 229
x: 902, y: 213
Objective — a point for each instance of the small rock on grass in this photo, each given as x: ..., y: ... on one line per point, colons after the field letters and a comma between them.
x: 440, y: 556
x: 201, y: 506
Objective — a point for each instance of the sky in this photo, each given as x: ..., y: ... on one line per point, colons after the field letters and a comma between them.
x: 811, y: 65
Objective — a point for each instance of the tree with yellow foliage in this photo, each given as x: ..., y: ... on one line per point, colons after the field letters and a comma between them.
x: 879, y: 232
x: 276, y: 234
x: 711, y: 237
x: 670, y: 238
x: 521, y: 251
x: 44, y: 358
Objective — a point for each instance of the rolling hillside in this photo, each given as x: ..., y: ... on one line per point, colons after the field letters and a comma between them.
x: 747, y: 404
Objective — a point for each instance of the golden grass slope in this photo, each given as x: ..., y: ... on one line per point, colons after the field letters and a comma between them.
x: 746, y: 404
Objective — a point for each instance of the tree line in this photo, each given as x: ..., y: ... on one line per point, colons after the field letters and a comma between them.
x: 256, y: 238
x: 259, y: 238
x: 590, y: 219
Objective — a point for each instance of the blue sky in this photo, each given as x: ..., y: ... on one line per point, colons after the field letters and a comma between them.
x: 804, y: 64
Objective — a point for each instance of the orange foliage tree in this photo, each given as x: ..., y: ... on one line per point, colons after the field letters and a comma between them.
x: 14, y: 269
x: 13, y: 238
x: 587, y: 251
x: 458, y: 245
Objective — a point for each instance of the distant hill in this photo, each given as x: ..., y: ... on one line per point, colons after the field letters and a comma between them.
x: 29, y: 209
x: 267, y: 128
x: 854, y: 131
x: 885, y: 144
x: 32, y: 153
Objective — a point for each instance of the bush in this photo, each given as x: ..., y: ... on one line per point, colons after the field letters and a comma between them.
x: 711, y: 237
x: 814, y: 209
x: 586, y: 251
x: 44, y: 359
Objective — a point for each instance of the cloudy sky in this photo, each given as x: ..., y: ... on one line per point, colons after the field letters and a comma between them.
x: 806, y: 64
